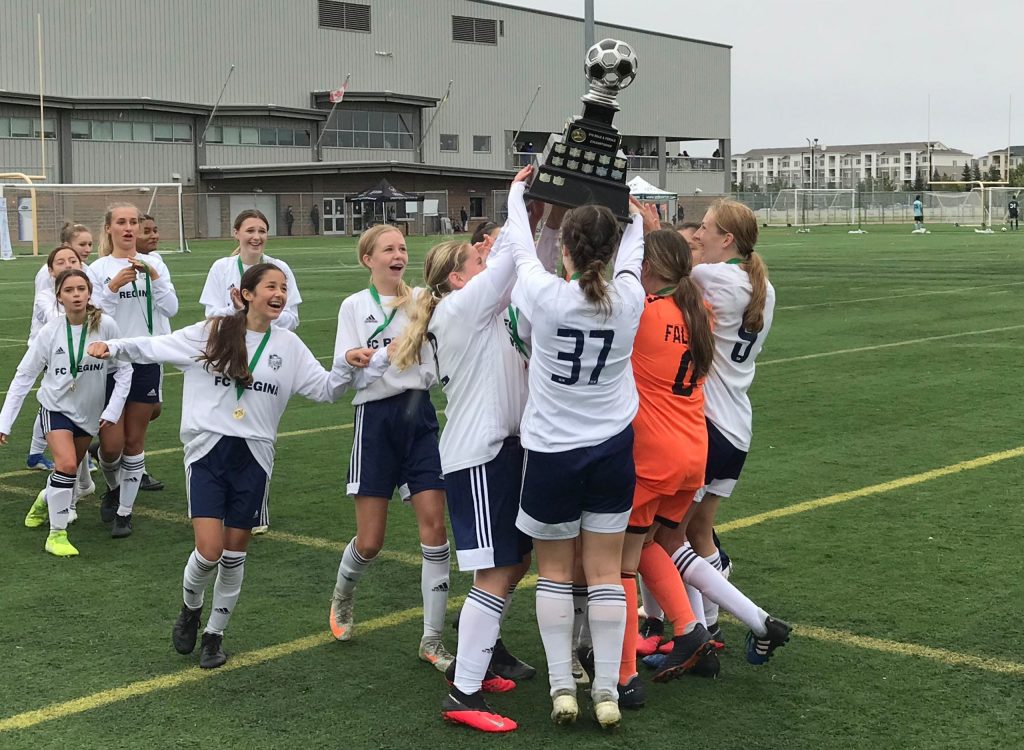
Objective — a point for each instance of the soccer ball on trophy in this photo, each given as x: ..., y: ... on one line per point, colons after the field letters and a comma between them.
x: 610, y: 64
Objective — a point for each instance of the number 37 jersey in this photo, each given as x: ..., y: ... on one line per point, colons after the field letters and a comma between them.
x: 726, y: 288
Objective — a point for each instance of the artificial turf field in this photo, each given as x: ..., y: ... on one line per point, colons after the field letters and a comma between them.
x: 888, y: 432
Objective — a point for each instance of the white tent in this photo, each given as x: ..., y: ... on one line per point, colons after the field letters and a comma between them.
x: 645, y: 192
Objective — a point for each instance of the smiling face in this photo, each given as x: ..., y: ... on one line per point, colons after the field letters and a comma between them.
x: 74, y: 294
x: 252, y: 236
x: 268, y: 298
x: 474, y: 264
x: 64, y: 259
x: 148, y: 237
x: 122, y: 229
x: 388, y: 259
x: 82, y: 243
x: 716, y: 245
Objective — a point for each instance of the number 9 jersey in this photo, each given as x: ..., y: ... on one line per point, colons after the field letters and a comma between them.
x: 726, y: 288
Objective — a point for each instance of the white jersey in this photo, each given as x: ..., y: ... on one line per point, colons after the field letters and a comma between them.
x: 84, y: 404
x: 726, y: 288
x: 547, y: 253
x: 480, y: 369
x: 210, y: 400
x: 128, y: 305
x: 45, y: 308
x: 43, y: 279
x: 358, y: 319
x: 224, y: 276
x: 581, y: 381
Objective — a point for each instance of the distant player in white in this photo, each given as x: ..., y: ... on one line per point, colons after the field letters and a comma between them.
x: 76, y: 236
x: 137, y: 292
x: 71, y: 398
x: 147, y: 242
x: 394, y: 444
x: 483, y: 374
x: 578, y: 478
x: 239, y: 374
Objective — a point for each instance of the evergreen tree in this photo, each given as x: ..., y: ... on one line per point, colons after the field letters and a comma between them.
x: 918, y: 182
x: 993, y: 174
x: 966, y: 176
x: 976, y: 172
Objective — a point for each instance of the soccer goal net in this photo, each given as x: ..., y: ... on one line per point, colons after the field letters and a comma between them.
x: 998, y: 199
x: 36, y: 213
x: 805, y: 207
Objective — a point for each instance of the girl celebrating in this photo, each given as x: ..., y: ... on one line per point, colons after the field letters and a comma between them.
x: 578, y: 476
x: 77, y: 237
x: 394, y: 445
x: 239, y: 375
x: 139, y: 295
x: 221, y: 293
x: 71, y: 398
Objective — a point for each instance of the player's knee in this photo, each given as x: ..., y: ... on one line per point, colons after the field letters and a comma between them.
x: 369, y: 548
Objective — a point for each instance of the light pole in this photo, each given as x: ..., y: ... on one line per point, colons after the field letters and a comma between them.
x: 813, y: 146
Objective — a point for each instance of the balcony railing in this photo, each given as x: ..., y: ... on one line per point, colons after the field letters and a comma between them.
x: 519, y: 159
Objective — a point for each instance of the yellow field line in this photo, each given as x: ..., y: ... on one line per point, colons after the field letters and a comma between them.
x: 874, y: 489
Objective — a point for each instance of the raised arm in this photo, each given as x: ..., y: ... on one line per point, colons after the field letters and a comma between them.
x: 547, y: 245
x: 532, y: 276
x: 631, y: 247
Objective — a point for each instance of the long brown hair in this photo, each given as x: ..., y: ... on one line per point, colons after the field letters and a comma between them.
x: 367, y: 244
x: 442, y: 260
x: 225, y: 346
x: 106, y: 245
x: 249, y: 213
x: 92, y: 314
x: 591, y: 233
x: 739, y: 221
x: 668, y: 257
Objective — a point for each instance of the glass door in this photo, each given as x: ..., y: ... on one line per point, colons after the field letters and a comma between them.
x: 334, y: 216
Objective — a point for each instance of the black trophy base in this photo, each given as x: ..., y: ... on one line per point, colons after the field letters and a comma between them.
x: 571, y: 189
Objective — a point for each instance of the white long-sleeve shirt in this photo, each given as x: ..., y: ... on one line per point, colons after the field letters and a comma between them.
x: 224, y: 277
x: 581, y: 383
x: 209, y: 399
x: 45, y: 308
x: 127, y: 305
x: 84, y: 405
x: 547, y: 254
x: 482, y: 373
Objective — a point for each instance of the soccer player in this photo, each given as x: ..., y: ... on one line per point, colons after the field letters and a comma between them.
x: 146, y: 243
x: 918, y: 214
x: 1013, y: 212
x: 578, y: 476
x: 239, y: 374
x: 71, y: 398
x: 483, y: 374
x: 394, y: 445
x: 140, y: 297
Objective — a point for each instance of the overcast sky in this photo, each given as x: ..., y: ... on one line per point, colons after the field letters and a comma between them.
x: 852, y: 71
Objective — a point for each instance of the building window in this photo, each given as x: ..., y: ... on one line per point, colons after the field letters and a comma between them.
x: 25, y: 127
x: 449, y: 142
x: 474, y: 30
x: 351, y: 128
x: 129, y: 132
x: 347, y: 16
x: 481, y: 144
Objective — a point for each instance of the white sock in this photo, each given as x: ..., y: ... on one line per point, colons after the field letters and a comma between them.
x: 555, y: 619
x: 434, y: 587
x: 508, y: 603
x: 131, y: 477
x: 606, y: 611
x: 38, y: 444
x: 111, y: 471
x: 226, y: 590
x: 198, y: 573
x: 350, y: 569
x: 696, y: 602
x: 651, y: 606
x: 710, y: 606
x: 717, y: 589
x: 478, y: 630
x: 83, y: 473
x: 580, y: 626
x: 60, y: 492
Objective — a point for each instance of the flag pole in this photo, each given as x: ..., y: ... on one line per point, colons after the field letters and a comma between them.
x: 430, y: 124
x: 334, y: 106
x: 202, y: 138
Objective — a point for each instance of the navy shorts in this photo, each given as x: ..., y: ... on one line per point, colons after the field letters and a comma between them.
x: 725, y: 462
x: 55, y: 420
x: 145, y: 388
x: 483, y: 502
x: 589, y: 488
x: 394, y: 446
x: 228, y: 483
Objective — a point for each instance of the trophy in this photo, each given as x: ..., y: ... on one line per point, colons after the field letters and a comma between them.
x: 584, y: 166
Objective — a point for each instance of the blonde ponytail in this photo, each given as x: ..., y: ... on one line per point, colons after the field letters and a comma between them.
x: 757, y: 272
x: 738, y: 220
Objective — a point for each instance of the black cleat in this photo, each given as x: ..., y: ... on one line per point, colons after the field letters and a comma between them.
x: 149, y: 484
x: 760, y: 650
x: 633, y: 695
x: 504, y: 664
x: 715, y: 631
x: 109, y: 504
x: 585, y: 654
x: 122, y: 527
x: 186, y: 630
x: 708, y: 665
x: 211, y: 655
x: 687, y: 650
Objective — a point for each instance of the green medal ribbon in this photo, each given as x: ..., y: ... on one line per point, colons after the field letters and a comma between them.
x: 666, y: 291
x: 148, y: 312
x: 575, y: 276
x: 75, y: 360
x: 240, y: 389
x: 734, y: 261
x: 387, y: 318
x: 513, y: 325
x: 241, y: 268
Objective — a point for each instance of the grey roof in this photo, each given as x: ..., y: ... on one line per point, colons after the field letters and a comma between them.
x: 855, y: 148
x: 1014, y: 151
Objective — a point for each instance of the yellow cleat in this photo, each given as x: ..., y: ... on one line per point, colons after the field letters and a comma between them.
x: 38, y: 514
x: 57, y: 544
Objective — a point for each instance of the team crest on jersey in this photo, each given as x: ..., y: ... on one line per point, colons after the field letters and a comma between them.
x: 370, y: 319
x: 274, y: 361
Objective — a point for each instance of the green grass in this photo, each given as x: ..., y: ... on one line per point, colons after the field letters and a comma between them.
x: 934, y: 564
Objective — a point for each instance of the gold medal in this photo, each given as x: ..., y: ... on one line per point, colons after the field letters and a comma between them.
x: 238, y: 413
x: 72, y: 385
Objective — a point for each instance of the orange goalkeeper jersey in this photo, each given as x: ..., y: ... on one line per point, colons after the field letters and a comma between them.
x: 671, y: 438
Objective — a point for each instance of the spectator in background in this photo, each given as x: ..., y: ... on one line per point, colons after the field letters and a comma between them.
x: 289, y: 219
x: 717, y: 154
x: 464, y: 218
x: 314, y: 218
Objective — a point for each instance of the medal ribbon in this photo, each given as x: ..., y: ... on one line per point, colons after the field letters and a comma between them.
x: 513, y: 324
x: 734, y: 261
x: 240, y: 389
x: 75, y: 360
x: 387, y: 319
x: 664, y: 292
x: 241, y: 268
x: 148, y: 311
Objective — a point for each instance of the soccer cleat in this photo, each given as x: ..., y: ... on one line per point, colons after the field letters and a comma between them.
x: 666, y: 647
x: 606, y: 710
x: 186, y: 630
x: 39, y: 461
x: 122, y: 527
x: 564, y: 708
x: 708, y: 665
x: 655, y: 661
x: 149, y: 484
x: 84, y: 490
x: 633, y: 694
x: 38, y: 514
x: 585, y: 655
x: 341, y: 617
x: 109, y: 504
x: 492, y: 683
x: 432, y: 651
x: 211, y: 655
x: 72, y: 515
x: 57, y: 544
x: 686, y: 652
x: 259, y: 530
x: 578, y: 674
x: 504, y: 664
x: 715, y: 631
x: 761, y: 648
x: 94, y: 452
x: 473, y: 711
x: 651, y: 632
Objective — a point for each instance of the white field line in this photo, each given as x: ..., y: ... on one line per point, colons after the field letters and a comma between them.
x: 959, y: 290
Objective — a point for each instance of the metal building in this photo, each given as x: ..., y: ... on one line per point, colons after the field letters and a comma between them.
x: 129, y: 89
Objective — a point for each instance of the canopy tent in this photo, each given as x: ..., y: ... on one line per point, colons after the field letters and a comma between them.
x: 645, y: 192
x: 381, y: 195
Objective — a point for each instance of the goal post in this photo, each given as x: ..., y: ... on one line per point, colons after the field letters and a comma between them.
x: 40, y: 210
x: 977, y: 198
x: 998, y: 198
x: 804, y: 207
